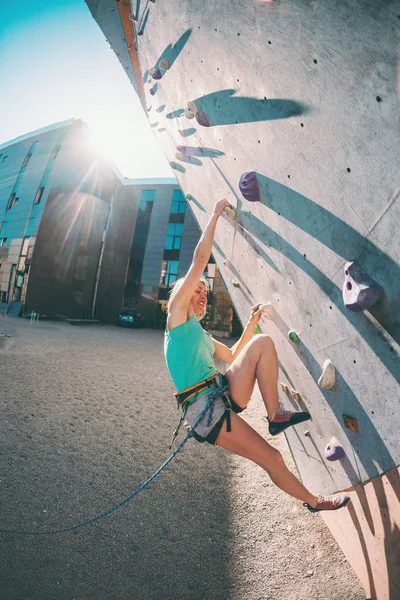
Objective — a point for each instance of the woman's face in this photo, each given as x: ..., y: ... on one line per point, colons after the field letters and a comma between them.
x: 199, y: 300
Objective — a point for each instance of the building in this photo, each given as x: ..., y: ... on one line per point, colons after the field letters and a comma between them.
x: 78, y: 240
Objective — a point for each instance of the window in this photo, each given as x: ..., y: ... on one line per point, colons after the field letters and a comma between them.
x: 178, y: 204
x: 38, y: 195
x: 169, y: 271
x: 174, y: 236
x: 178, y: 207
x: 27, y: 159
x: 56, y: 150
x: 12, y: 201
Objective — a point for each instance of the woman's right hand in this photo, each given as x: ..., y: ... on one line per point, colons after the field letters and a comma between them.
x: 219, y: 207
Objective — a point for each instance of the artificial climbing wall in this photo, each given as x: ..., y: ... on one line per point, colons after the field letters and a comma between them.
x: 304, y: 94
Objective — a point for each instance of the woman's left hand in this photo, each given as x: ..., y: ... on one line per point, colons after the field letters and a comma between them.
x: 255, y: 315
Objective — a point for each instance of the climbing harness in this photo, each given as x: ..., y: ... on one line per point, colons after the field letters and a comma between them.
x: 105, y: 513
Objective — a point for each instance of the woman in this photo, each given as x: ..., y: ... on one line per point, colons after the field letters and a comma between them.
x: 190, y: 352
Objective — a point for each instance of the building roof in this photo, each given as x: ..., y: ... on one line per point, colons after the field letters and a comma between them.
x: 150, y: 181
x: 26, y: 136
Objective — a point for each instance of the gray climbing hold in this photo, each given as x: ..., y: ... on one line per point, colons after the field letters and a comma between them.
x: 334, y: 450
x: 268, y: 310
x: 360, y: 291
x: 293, y: 337
x: 327, y: 379
x: 249, y: 187
x: 164, y: 64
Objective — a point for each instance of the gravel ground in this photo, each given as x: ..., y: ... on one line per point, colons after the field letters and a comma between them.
x: 87, y: 415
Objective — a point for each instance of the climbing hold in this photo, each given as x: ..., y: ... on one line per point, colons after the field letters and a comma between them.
x: 293, y: 337
x: 189, y: 114
x: 351, y: 423
x: 133, y: 17
x: 226, y: 262
x: 202, y: 119
x: 327, y: 379
x: 334, y: 450
x: 360, y: 291
x: 190, y: 150
x: 153, y: 91
x: 257, y: 329
x: 230, y: 211
x: 173, y: 165
x: 164, y: 64
x: 155, y: 73
x: 296, y: 395
x: 285, y: 388
x: 235, y: 283
x: 268, y: 310
x: 307, y: 433
x: 192, y: 106
x: 189, y: 197
x: 249, y: 187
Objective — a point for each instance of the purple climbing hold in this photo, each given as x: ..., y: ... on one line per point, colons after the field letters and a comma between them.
x: 360, y: 291
x: 202, y: 119
x: 334, y: 450
x: 153, y: 90
x: 249, y: 187
x: 155, y: 73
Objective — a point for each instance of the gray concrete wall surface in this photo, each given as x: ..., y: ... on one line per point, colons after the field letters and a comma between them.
x: 304, y: 94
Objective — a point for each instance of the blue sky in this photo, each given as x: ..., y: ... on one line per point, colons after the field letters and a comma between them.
x: 55, y: 64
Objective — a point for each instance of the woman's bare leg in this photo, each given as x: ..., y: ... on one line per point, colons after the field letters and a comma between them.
x: 258, y: 360
x: 245, y: 441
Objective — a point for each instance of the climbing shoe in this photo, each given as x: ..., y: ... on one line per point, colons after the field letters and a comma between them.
x: 284, y: 419
x: 333, y: 502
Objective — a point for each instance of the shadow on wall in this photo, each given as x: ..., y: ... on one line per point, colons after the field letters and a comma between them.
x: 223, y: 108
x: 340, y: 237
x: 372, y: 336
x: 172, y: 52
x: 391, y: 532
x: 369, y: 447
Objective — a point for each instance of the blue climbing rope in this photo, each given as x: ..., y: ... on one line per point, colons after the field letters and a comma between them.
x: 107, y: 512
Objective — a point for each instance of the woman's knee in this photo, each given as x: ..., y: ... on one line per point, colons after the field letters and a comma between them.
x: 264, y: 342
x: 273, y: 462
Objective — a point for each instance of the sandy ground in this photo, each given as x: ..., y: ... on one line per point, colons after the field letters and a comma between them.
x: 86, y: 416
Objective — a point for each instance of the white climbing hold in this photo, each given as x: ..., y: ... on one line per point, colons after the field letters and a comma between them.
x: 226, y: 262
x: 191, y: 106
x: 189, y: 114
x: 133, y: 17
x: 164, y: 64
x: 268, y: 310
x: 230, y: 211
x: 327, y: 379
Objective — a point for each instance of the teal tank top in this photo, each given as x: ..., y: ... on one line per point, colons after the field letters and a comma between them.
x: 189, y: 353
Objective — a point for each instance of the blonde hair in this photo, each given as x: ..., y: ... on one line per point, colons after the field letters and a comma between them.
x: 178, y: 284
